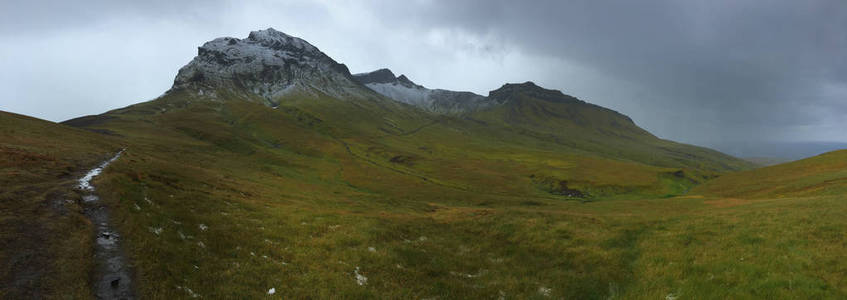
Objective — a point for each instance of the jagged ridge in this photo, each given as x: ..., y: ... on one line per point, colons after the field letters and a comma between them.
x: 402, y: 89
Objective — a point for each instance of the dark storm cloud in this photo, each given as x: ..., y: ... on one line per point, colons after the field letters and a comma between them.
x: 745, y: 67
x: 705, y: 72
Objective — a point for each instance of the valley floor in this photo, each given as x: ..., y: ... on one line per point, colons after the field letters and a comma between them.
x: 213, y: 238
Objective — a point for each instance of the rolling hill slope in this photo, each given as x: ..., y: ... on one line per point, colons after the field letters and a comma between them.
x: 825, y: 174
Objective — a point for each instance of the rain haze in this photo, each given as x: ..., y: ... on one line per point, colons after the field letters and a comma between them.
x: 751, y: 78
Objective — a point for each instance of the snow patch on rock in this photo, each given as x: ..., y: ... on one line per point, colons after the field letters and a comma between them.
x: 402, y: 89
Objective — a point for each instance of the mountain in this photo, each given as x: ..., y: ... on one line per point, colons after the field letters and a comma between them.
x: 392, y: 122
x: 527, y: 104
x: 265, y: 66
x: 272, y: 68
x: 402, y: 89
x: 553, y: 116
x: 268, y: 157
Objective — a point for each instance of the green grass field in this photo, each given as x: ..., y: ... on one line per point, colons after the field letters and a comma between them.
x: 329, y: 199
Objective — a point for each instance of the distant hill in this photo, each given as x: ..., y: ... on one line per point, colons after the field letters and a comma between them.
x: 776, y: 149
x: 825, y: 174
x: 767, y: 161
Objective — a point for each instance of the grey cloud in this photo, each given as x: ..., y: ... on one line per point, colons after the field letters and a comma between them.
x: 44, y: 16
x: 746, y: 65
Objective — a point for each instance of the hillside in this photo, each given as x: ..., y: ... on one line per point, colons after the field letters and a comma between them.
x: 211, y: 194
x: 575, y: 124
x: 220, y: 191
x: 825, y: 174
x: 507, y: 155
x: 44, y: 234
x: 268, y: 157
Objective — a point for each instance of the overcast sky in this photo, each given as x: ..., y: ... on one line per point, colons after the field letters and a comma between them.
x: 703, y: 72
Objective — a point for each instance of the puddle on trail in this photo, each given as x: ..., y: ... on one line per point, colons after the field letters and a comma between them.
x: 111, y: 273
x: 85, y: 181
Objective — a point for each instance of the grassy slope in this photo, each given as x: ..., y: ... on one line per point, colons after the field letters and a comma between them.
x: 425, y: 207
x: 825, y: 174
x: 45, y: 240
x: 250, y: 198
x: 552, y: 116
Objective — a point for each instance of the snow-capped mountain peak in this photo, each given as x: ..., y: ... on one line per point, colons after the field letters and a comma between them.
x: 268, y: 64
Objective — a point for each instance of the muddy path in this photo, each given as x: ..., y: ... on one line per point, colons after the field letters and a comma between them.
x: 111, y: 278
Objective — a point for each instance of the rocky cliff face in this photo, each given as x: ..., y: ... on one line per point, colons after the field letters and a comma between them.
x: 269, y: 64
